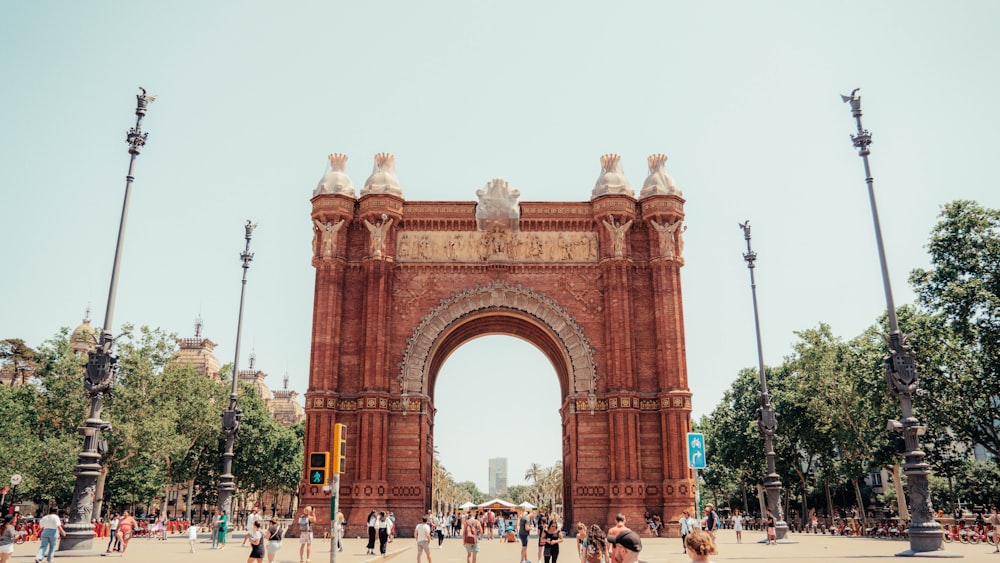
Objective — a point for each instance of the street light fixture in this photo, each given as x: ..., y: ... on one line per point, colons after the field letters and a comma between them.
x: 901, y: 376
x: 101, y: 372
x: 232, y: 416
x: 767, y: 420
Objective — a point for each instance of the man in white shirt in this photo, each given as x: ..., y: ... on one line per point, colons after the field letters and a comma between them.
x: 51, y: 527
x: 422, y: 533
x: 251, y: 518
x: 688, y: 525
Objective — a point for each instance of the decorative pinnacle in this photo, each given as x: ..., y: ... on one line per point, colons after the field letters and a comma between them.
x: 246, y: 255
x: 864, y: 137
x: 750, y: 256
x: 135, y: 137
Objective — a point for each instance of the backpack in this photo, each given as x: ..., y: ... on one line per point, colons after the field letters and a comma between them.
x: 471, y: 527
x: 593, y: 554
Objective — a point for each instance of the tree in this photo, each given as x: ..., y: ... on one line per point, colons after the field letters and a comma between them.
x: 963, y: 285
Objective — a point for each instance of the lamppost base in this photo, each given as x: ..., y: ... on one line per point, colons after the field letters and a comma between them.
x: 79, y: 539
x: 926, y: 541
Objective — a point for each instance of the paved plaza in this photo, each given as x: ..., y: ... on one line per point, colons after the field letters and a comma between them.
x: 825, y: 549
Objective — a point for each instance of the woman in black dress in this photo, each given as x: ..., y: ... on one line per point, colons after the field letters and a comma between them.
x: 553, y: 537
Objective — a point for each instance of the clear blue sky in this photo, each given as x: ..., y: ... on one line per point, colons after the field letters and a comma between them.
x: 743, y: 97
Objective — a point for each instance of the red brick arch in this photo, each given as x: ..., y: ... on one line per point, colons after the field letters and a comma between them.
x: 402, y: 284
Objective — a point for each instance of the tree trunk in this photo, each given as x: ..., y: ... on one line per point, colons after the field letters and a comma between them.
x: 746, y: 503
x: 805, y: 500
x: 861, y: 505
x: 829, y: 502
x: 761, y: 500
x: 897, y: 483
x: 190, y: 500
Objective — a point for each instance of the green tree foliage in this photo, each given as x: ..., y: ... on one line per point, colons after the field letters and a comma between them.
x: 963, y: 286
x: 165, y: 426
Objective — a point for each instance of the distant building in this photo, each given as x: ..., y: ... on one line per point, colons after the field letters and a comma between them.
x: 498, y: 476
x: 199, y: 352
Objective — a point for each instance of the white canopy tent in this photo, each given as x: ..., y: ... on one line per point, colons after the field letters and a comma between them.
x: 497, y: 504
x: 527, y: 505
x: 468, y: 505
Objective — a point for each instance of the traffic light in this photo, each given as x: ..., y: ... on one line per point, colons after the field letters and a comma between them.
x: 319, y: 466
x: 339, y: 448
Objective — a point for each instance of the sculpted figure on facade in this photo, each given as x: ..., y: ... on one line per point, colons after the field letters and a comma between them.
x: 669, y: 246
x: 378, y: 232
x: 617, y: 231
x: 498, y: 207
x: 383, y: 179
x: 658, y: 182
x: 612, y: 179
x: 327, y: 233
x: 336, y: 180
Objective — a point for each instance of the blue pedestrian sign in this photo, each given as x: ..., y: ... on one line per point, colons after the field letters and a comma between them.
x: 696, y: 450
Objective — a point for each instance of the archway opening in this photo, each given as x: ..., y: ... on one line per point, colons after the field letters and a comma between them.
x: 498, y: 397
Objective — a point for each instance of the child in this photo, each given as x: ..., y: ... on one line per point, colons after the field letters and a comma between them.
x: 700, y: 546
x: 192, y: 533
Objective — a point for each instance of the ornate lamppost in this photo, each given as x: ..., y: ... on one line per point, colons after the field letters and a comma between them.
x: 767, y: 421
x: 100, y: 374
x: 901, y: 376
x: 232, y: 416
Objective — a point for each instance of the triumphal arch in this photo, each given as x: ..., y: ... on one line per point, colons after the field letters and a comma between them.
x: 595, y: 285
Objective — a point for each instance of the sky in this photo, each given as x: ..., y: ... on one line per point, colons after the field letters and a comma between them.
x: 252, y: 96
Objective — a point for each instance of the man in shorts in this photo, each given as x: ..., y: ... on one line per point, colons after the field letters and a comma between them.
x: 422, y: 533
x: 523, y: 529
x: 306, y: 533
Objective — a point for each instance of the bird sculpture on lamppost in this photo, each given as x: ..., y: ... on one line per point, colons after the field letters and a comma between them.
x: 767, y: 420
x: 926, y: 538
x: 101, y: 372
x: 232, y: 416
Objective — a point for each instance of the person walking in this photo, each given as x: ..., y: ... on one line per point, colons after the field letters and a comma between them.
x: 711, y: 520
x: 125, y: 526
x: 372, y: 520
x: 597, y: 547
x: 273, y: 534
x: 192, y: 534
x: 256, y: 539
x: 223, y: 529
x: 994, y: 521
x: 214, y: 529
x: 51, y: 529
x: 382, y: 525
x: 470, y: 538
x: 772, y: 535
x: 523, y: 529
x: 581, y: 541
x: 306, y: 522
x: 8, y: 535
x: 338, y: 529
x: 737, y: 519
x: 553, y: 537
x: 251, y: 518
x: 613, y: 532
x: 422, y: 533
x: 688, y: 524
x: 113, y: 536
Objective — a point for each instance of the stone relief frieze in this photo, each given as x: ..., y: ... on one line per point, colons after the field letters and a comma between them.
x: 496, y: 245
